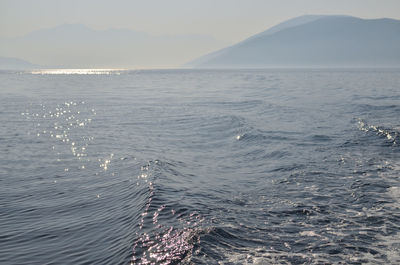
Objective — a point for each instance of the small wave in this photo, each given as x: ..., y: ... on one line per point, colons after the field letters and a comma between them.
x: 168, y: 230
x: 391, y: 135
x: 321, y: 138
x: 258, y: 136
x: 370, y: 108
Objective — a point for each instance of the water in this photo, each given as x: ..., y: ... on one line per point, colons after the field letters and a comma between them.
x: 200, y: 167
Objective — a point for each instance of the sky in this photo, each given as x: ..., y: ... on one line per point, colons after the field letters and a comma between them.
x: 226, y: 21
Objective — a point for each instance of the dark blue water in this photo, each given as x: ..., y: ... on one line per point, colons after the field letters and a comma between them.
x: 200, y: 167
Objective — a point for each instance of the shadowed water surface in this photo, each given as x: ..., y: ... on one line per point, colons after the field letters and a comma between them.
x: 200, y: 167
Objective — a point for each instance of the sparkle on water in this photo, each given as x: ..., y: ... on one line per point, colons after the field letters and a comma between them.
x: 77, y: 71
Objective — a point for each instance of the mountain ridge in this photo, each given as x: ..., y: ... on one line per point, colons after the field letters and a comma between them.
x: 13, y: 63
x: 333, y: 41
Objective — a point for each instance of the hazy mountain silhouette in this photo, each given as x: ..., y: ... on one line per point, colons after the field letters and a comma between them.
x: 76, y: 45
x: 314, y: 41
x: 10, y: 63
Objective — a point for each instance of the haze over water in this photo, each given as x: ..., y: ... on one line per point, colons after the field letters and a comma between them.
x: 200, y: 167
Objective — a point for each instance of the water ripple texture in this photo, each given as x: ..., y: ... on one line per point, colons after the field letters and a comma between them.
x: 200, y: 167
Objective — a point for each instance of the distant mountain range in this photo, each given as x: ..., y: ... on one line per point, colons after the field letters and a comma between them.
x: 306, y: 41
x: 78, y: 46
x: 314, y: 41
x: 10, y: 63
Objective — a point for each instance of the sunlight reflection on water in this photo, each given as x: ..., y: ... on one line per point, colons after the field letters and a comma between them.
x: 77, y: 71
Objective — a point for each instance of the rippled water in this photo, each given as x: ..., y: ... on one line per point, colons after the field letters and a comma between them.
x: 200, y: 167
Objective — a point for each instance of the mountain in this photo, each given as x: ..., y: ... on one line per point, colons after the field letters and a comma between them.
x: 314, y: 41
x: 78, y: 46
x: 10, y: 63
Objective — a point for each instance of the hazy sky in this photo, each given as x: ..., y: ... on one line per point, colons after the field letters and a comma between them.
x: 225, y: 20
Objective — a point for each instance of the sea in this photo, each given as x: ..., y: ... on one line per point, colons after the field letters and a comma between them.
x: 257, y: 166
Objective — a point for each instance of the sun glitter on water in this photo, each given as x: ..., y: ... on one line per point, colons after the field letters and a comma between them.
x: 78, y: 71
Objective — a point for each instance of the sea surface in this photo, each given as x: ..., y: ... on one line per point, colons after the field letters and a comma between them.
x: 269, y: 166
